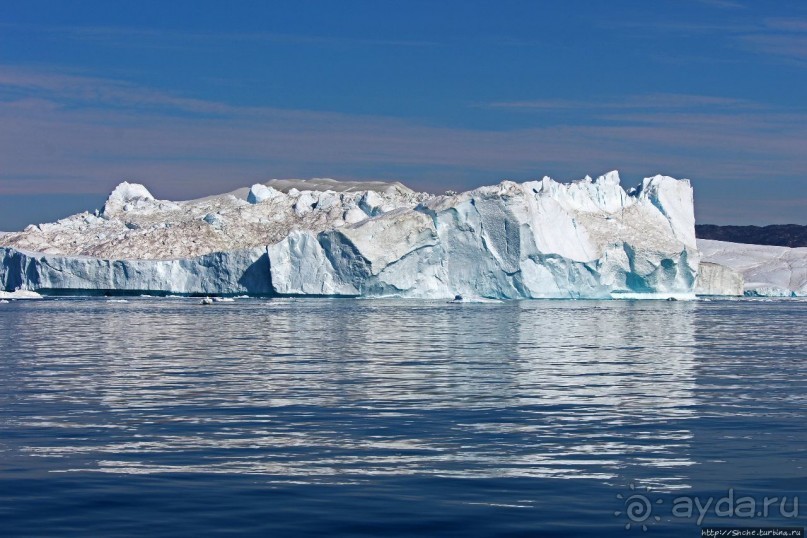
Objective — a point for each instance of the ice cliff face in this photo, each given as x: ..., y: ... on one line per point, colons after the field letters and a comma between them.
x: 232, y: 273
x: 767, y: 270
x: 528, y: 240
x: 716, y: 279
x: 535, y: 239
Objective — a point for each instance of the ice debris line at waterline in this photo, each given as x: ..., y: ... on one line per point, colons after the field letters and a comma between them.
x: 537, y: 239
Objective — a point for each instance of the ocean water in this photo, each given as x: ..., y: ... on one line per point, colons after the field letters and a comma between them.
x: 345, y: 417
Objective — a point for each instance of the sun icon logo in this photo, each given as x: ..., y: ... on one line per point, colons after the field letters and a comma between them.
x: 638, y: 508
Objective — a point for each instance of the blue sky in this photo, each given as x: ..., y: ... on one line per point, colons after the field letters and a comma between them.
x: 198, y: 97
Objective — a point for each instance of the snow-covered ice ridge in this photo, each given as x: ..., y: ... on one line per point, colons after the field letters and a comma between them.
x: 587, y: 239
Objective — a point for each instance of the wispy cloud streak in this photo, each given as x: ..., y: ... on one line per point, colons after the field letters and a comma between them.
x: 662, y: 101
x: 69, y: 133
x: 131, y: 37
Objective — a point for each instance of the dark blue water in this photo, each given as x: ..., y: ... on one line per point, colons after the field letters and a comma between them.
x: 400, y: 418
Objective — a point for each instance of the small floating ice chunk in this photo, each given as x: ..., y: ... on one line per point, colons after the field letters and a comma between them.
x: 769, y: 291
x: 19, y: 295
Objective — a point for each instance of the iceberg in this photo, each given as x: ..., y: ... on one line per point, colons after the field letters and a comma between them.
x: 536, y: 239
x: 716, y: 279
x: 19, y: 295
x: 768, y: 271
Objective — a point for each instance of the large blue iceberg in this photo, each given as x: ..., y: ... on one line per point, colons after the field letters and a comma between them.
x: 537, y: 239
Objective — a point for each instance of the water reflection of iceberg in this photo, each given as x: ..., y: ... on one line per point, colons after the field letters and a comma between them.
x: 333, y: 391
x: 613, y: 385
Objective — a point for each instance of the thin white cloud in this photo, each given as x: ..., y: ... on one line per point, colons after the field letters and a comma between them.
x: 723, y: 4
x: 776, y: 37
x: 132, y: 37
x: 786, y: 24
x: 792, y: 47
x: 70, y: 133
x: 647, y: 101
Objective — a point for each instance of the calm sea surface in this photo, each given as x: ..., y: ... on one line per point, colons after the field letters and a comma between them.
x: 400, y: 418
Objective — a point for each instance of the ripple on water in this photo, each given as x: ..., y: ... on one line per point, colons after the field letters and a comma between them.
x: 544, y: 407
